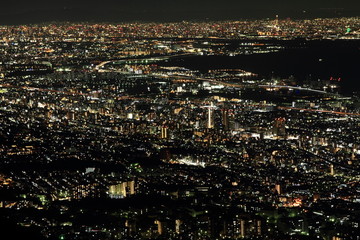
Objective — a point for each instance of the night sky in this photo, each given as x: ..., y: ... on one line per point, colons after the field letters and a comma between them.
x: 36, y: 11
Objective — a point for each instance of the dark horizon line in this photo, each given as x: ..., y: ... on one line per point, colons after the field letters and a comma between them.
x: 44, y: 17
x: 193, y: 20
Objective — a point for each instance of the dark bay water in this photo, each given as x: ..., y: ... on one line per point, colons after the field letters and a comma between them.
x: 302, y: 59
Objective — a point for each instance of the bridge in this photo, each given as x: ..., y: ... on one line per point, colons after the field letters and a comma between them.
x: 295, y: 88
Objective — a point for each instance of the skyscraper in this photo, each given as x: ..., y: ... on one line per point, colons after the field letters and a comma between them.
x: 164, y: 132
x: 225, y: 119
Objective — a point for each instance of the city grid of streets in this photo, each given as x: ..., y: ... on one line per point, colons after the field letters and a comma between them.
x: 102, y: 137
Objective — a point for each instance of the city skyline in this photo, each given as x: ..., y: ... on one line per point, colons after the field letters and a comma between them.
x: 23, y: 12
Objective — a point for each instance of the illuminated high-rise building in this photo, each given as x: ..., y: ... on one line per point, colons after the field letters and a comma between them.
x: 225, y: 119
x: 131, y: 226
x: 178, y: 223
x: 278, y: 188
x: 122, y: 190
x: 258, y: 227
x: 242, y: 228
x: 85, y: 190
x: 160, y: 226
x: 164, y: 132
x: 210, y: 123
x: 279, y: 127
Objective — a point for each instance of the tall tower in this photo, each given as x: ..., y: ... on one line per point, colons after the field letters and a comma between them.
x: 276, y: 25
x: 210, y: 116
